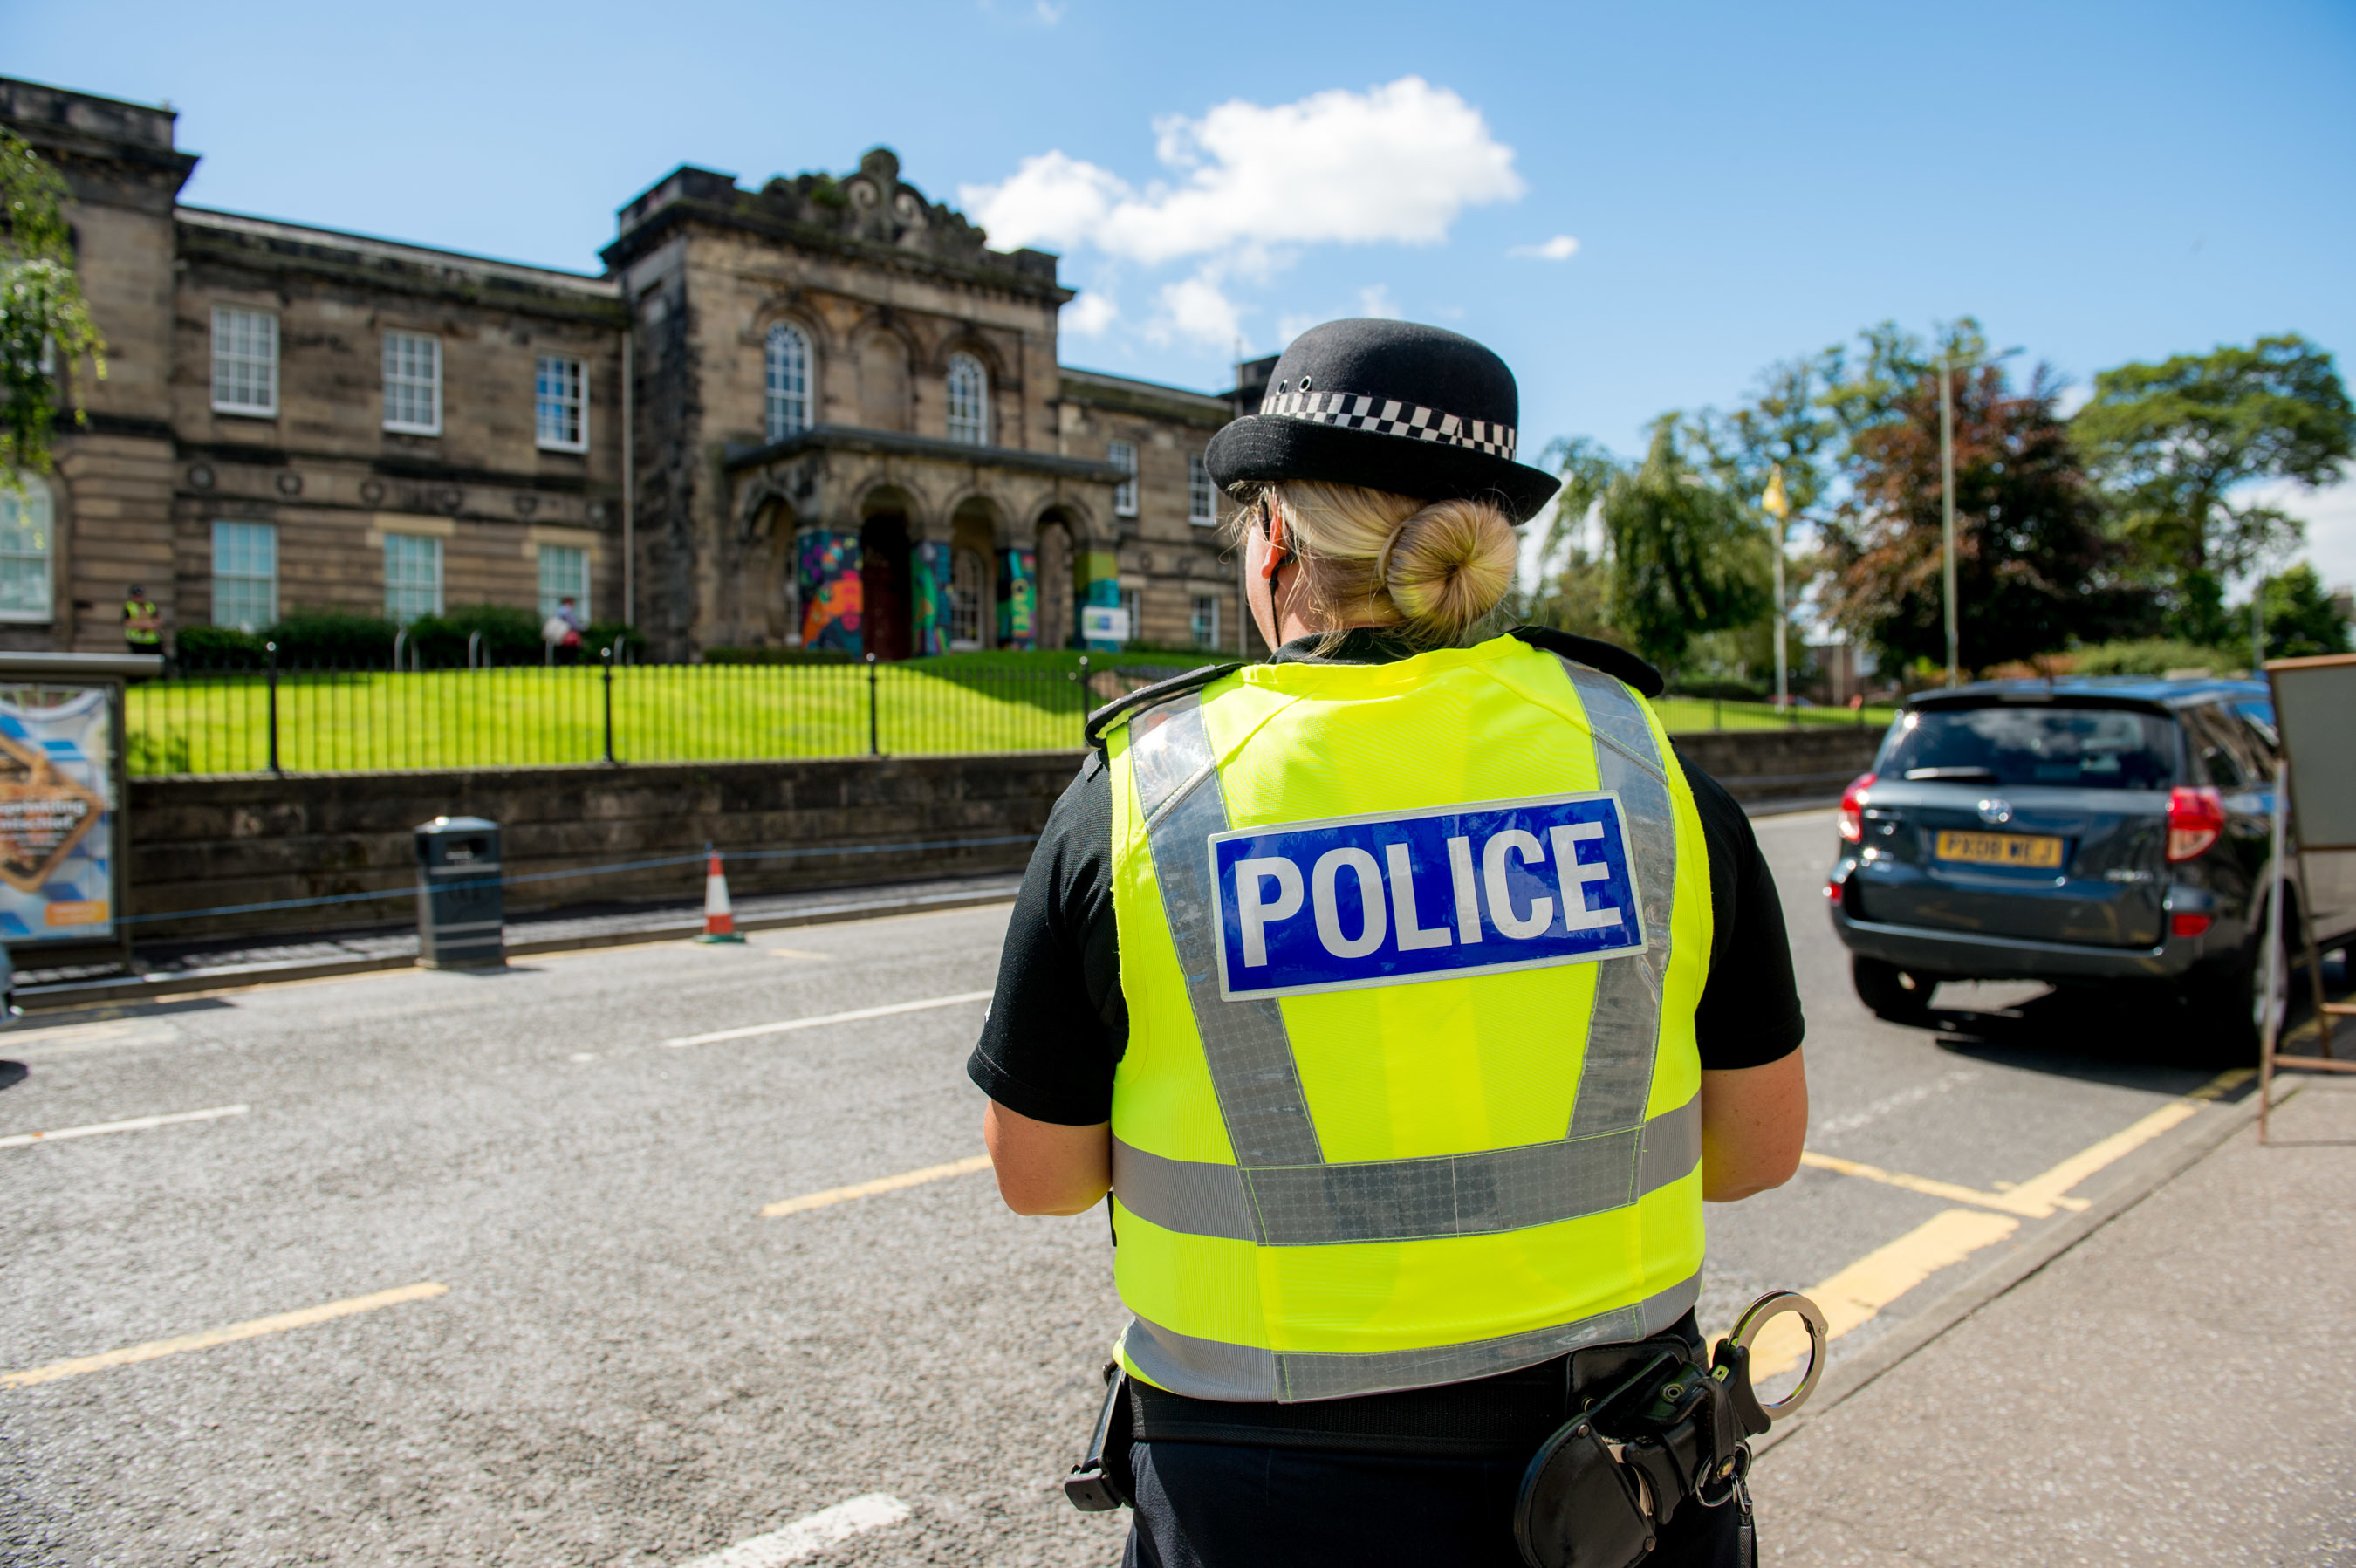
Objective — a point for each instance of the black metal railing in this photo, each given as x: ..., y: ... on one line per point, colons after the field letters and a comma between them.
x: 329, y: 716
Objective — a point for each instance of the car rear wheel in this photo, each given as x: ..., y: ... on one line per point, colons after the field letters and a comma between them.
x: 1894, y: 994
x: 2231, y: 1002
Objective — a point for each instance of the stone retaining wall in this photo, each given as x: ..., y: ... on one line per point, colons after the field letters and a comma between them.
x: 198, y: 844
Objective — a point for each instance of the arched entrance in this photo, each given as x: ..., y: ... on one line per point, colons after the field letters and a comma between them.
x: 886, y: 624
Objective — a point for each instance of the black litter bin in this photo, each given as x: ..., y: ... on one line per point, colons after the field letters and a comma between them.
x: 461, y: 915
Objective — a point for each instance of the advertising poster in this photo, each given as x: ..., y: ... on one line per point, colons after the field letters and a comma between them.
x: 57, y: 841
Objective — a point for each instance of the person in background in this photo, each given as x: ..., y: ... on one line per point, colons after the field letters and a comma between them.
x: 561, y: 632
x: 142, y: 623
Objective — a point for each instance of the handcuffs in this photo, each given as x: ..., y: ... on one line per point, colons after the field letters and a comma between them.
x: 1672, y: 1433
x: 1598, y: 1490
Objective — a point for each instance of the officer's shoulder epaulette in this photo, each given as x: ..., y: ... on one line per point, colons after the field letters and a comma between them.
x: 1104, y: 718
x: 1610, y: 658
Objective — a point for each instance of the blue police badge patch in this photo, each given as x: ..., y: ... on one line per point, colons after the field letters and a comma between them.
x: 1400, y: 896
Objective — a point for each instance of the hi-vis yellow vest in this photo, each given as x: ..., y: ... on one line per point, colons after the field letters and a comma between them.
x: 1411, y: 953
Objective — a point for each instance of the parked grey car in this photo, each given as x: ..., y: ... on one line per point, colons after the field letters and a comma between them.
x: 2090, y: 832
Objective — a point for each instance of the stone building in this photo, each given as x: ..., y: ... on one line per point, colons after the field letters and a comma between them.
x: 819, y: 413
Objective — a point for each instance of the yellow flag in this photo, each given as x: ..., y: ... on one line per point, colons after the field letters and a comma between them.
x: 1777, y: 503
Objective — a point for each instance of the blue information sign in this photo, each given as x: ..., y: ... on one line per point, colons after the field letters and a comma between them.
x: 1399, y: 897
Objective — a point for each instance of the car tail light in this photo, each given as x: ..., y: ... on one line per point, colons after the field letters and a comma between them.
x: 2189, y: 925
x: 1852, y: 810
x: 2195, y: 818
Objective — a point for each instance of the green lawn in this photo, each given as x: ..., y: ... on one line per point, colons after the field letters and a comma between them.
x: 522, y: 717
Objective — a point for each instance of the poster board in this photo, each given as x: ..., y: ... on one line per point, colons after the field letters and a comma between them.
x: 2315, y: 714
x: 2314, y: 699
x: 63, y: 788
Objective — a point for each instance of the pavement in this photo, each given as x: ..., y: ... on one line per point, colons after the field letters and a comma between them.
x: 2173, y: 1389
x: 641, y: 1254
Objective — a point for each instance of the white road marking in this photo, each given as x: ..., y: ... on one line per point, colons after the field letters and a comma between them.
x: 808, y: 1537
x: 136, y: 1124
x: 751, y: 1030
x: 47, y: 1042
x: 584, y: 1056
x: 1888, y: 1104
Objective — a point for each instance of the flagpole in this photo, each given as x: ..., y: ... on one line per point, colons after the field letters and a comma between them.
x: 1779, y: 505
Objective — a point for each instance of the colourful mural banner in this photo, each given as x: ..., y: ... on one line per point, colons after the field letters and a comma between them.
x: 1100, y: 570
x: 56, y: 836
x: 1018, y: 599
x: 828, y: 565
x: 928, y: 597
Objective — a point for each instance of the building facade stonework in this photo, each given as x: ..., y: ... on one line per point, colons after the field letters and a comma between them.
x: 823, y: 412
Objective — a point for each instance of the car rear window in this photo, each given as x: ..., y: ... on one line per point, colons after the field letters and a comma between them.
x: 2081, y: 748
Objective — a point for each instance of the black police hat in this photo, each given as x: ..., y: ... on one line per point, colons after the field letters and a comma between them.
x: 1391, y: 405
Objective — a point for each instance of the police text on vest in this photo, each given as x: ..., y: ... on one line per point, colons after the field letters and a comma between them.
x: 1402, y: 897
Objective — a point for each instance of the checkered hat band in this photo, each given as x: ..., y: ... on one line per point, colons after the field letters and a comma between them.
x: 1388, y: 416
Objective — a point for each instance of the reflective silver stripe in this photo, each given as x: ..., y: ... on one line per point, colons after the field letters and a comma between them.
x: 1214, y: 1370
x: 1399, y: 1200
x: 1196, y: 1196
x: 1250, y: 1056
x: 1624, y: 1031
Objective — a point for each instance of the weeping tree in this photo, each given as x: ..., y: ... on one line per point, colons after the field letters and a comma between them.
x: 1683, y: 557
x: 45, y: 324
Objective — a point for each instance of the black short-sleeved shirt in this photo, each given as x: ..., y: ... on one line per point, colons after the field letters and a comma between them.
x: 1058, y: 1024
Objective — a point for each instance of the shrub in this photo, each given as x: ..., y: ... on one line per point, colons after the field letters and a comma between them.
x: 217, y: 647
x: 606, y: 633
x: 510, y: 636
x: 334, y: 636
x: 779, y: 656
x: 2155, y: 656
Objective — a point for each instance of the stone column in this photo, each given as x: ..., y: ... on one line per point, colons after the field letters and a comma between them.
x: 1018, y: 599
x: 826, y: 565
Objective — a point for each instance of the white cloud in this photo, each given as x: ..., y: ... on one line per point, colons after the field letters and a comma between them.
x: 1377, y: 301
x: 1200, y: 309
x: 1048, y: 15
x: 1396, y: 163
x: 1090, y: 315
x: 1291, y: 325
x: 2330, y: 517
x: 1561, y: 248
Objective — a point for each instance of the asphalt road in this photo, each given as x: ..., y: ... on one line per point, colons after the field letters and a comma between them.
x: 631, y: 1364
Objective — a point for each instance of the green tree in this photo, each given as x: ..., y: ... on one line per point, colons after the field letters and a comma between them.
x: 1687, y: 557
x: 45, y: 324
x: 2300, y: 618
x: 2170, y: 443
x: 2034, y: 568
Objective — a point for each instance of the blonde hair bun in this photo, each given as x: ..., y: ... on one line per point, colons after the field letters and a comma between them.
x: 1448, y: 565
x: 1432, y: 569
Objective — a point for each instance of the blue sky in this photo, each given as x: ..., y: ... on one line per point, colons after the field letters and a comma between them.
x: 1638, y: 205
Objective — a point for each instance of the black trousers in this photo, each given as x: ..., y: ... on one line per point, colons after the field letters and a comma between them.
x: 1215, y: 1505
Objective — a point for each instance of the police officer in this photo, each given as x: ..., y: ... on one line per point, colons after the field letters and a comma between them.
x: 1408, y: 997
x: 142, y: 623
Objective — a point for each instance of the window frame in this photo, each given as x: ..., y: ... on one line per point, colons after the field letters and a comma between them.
x: 1123, y: 454
x: 1200, y: 488
x: 976, y: 428
x: 577, y: 402
x: 268, y: 531
x: 551, y: 599
x: 391, y: 336
x: 433, y: 542
x: 771, y: 399
x: 35, y: 486
x: 1195, y: 622
x: 227, y: 355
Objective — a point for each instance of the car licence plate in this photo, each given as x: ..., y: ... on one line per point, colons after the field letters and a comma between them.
x: 2033, y: 850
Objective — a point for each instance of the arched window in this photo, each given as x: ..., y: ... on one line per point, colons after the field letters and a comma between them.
x: 27, y: 541
x: 789, y: 382
x: 968, y: 401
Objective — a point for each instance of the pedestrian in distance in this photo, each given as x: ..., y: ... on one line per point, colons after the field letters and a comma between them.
x: 562, y: 633
x: 142, y: 623
x: 1408, y: 994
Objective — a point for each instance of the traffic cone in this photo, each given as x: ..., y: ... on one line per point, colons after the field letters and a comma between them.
x: 719, y: 915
